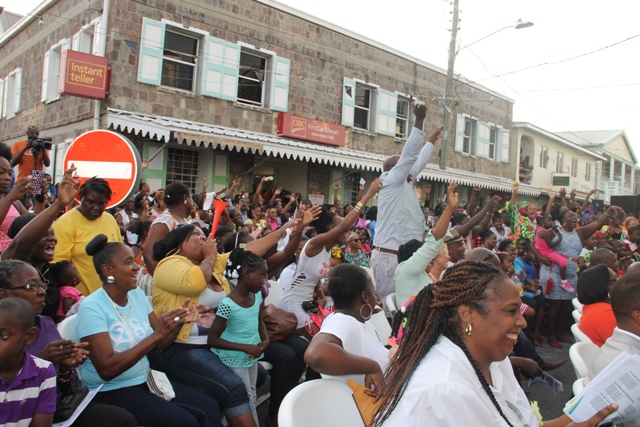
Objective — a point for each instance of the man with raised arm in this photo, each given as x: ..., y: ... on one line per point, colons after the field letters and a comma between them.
x: 400, y: 218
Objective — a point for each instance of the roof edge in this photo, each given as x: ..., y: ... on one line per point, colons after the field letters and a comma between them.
x: 557, y: 138
x: 26, y: 20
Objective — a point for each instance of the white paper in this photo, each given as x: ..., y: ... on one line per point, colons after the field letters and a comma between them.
x: 87, y: 399
x: 208, y: 201
x: 617, y: 383
x: 547, y: 379
x: 362, y: 181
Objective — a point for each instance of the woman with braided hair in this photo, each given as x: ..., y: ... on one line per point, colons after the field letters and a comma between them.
x: 452, y: 366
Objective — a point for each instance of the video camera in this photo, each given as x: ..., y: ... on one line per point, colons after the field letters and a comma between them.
x: 39, y: 144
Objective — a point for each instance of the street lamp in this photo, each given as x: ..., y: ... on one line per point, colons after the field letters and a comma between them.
x: 448, y: 96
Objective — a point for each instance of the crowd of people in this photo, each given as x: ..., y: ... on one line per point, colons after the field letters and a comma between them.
x: 172, y: 314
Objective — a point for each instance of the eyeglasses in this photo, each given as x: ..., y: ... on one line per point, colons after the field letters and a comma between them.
x: 32, y: 287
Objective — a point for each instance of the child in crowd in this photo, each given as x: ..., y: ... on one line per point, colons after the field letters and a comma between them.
x: 631, y: 243
x: 67, y: 277
x: 353, y: 253
x: 27, y: 383
x: 524, y: 267
x: 488, y: 239
x: 501, y: 231
x: 506, y: 264
x: 322, y: 291
x: 545, y: 243
x: 238, y: 335
x: 584, y: 260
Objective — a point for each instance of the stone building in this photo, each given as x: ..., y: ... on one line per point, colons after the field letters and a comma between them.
x: 199, y: 87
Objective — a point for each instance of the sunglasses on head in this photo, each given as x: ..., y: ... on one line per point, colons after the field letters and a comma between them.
x: 357, y: 240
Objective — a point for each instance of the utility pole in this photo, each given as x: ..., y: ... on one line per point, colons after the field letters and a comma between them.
x: 448, y: 95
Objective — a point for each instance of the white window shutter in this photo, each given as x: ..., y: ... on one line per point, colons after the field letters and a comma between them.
x: 5, y: 96
x: 348, y: 101
x: 484, y: 135
x: 151, y: 49
x: 386, y: 112
x: 18, y: 91
x: 460, y: 123
x: 75, y: 43
x: 280, y: 96
x: 45, y: 76
x: 98, y: 29
x: 65, y: 45
x: 1, y: 97
x: 504, y: 145
x: 220, y: 72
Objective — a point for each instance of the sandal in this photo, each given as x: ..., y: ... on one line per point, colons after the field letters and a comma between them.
x: 554, y: 343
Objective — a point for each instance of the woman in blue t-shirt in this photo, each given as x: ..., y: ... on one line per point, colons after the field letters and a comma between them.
x: 121, y: 328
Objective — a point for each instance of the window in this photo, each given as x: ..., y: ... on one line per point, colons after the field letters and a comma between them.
x: 86, y: 40
x: 361, y: 117
x: 469, y: 135
x: 560, y: 162
x: 179, y: 58
x: 493, y: 139
x: 574, y: 167
x: 402, y: 118
x: 351, y: 188
x: 51, y: 72
x: 544, y: 157
x: 182, y: 166
x: 12, y: 94
x: 251, y: 79
x: 587, y: 172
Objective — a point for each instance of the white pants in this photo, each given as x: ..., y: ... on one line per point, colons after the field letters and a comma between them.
x: 249, y: 377
x: 384, y: 268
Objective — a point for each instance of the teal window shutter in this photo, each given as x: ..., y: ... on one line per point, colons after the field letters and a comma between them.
x: 220, y: 74
x: 460, y: 123
x: 504, y: 145
x: 348, y: 101
x: 151, y: 49
x: 484, y: 135
x: 280, y: 94
x: 386, y: 117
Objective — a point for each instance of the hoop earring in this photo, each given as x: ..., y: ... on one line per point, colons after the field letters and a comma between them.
x: 468, y: 329
x: 111, y: 279
x: 173, y: 251
x: 370, y: 312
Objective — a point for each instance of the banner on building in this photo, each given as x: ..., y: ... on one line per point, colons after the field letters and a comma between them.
x: 83, y: 75
x: 310, y: 130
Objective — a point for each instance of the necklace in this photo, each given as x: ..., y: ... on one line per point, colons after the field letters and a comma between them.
x: 118, y: 310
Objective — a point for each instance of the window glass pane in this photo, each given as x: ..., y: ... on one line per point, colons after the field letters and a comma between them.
x: 177, y: 75
x: 251, y: 77
x: 182, y: 166
x: 351, y: 188
x: 401, y: 118
x: 180, y: 47
x: 363, y: 97
x: 252, y: 66
x: 361, y: 118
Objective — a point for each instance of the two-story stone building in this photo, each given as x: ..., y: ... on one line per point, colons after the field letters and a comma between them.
x: 200, y: 86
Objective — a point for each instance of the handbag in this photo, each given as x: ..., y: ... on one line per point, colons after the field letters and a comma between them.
x: 280, y: 324
x: 69, y: 402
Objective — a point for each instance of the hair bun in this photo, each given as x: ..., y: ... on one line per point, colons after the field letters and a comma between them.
x: 96, y: 244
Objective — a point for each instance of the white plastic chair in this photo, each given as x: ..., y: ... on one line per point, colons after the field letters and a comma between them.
x: 577, y: 305
x: 381, y: 326
x: 581, y: 355
x: 300, y: 406
x: 579, y: 335
x: 67, y: 328
x: 391, y: 304
x: 275, y: 291
x: 576, y: 315
x: 578, y: 385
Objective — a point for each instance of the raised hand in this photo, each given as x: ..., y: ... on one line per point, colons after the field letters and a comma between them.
x: 68, y: 188
x: 562, y: 193
x: 572, y: 194
x: 336, y: 186
x: 436, y: 134
x: 311, y: 215
x: 278, y: 191
x: 552, y: 194
x: 21, y: 188
x: 420, y: 111
x: 452, y: 196
x: 375, y: 186
x: 205, y: 184
x: 493, y: 202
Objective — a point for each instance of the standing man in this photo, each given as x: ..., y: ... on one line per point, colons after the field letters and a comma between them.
x: 400, y: 218
x: 28, y: 158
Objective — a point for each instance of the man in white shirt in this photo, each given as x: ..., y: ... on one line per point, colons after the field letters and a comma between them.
x: 400, y: 218
x: 625, y: 302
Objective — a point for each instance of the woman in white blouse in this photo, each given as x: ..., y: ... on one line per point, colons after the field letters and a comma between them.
x: 452, y: 368
x: 343, y: 349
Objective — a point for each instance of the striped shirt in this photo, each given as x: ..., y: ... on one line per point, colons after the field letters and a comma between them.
x: 32, y: 392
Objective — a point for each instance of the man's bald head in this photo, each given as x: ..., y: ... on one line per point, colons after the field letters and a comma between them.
x: 484, y: 255
x: 390, y: 162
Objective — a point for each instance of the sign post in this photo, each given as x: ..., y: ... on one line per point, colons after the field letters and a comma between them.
x: 107, y: 155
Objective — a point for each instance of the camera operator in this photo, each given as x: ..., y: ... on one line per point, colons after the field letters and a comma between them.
x: 28, y: 157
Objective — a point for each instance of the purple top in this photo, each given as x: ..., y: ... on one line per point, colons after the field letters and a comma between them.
x: 19, y: 401
x: 47, y: 332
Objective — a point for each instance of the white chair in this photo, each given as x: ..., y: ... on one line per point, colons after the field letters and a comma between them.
x: 381, y: 327
x: 578, y: 385
x: 391, y: 304
x: 67, y: 328
x: 581, y: 355
x: 577, y: 305
x: 576, y: 315
x: 579, y: 335
x: 300, y: 406
x: 275, y: 291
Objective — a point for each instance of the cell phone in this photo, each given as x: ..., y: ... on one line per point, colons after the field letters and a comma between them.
x: 37, y: 181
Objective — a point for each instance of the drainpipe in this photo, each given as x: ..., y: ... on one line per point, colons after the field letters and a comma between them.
x: 101, y: 32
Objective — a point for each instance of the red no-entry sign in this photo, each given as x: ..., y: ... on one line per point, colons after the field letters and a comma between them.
x: 108, y: 155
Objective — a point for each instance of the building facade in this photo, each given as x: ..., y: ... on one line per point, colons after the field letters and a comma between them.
x: 201, y: 86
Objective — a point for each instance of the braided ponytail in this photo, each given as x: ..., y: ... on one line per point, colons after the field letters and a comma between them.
x: 434, y: 313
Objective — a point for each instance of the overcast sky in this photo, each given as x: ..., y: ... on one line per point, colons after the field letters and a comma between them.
x: 598, y: 91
